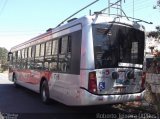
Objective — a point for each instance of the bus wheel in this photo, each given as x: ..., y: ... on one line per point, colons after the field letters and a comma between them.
x: 15, y: 81
x: 44, y: 92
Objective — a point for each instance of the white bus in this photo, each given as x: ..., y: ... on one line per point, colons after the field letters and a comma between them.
x: 91, y: 60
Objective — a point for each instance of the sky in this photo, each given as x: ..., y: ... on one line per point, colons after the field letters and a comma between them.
x: 21, y: 20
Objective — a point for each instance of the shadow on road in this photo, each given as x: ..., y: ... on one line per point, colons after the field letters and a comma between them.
x: 13, y: 99
x: 27, y: 105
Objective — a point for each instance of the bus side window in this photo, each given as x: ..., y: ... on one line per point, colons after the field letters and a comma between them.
x: 33, y: 51
x: 42, y: 50
x: 51, y: 55
x: 53, y: 66
x: 22, y: 52
x: 55, y: 47
x: 39, y: 57
x: 38, y: 65
x: 19, y: 56
x: 24, y: 59
x: 31, y: 55
x: 10, y: 58
x: 29, y: 52
x: 37, y: 53
x: 69, y: 48
x: 15, y: 57
x: 48, y: 48
x: 54, y: 60
x: 30, y: 65
x: 64, y: 63
x: 46, y: 66
x: 26, y: 53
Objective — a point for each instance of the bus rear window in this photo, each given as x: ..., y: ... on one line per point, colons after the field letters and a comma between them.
x: 117, y: 44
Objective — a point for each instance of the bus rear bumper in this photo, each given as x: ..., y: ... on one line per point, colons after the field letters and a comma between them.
x: 92, y: 99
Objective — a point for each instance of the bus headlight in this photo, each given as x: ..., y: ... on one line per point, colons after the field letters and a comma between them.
x: 115, y: 75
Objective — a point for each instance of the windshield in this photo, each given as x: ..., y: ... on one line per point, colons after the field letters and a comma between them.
x: 117, y: 45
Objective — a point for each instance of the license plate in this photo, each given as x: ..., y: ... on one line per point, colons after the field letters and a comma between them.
x: 120, y: 89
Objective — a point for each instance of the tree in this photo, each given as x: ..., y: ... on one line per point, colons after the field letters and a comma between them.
x: 155, y: 34
x: 158, y: 28
x: 157, y: 5
x: 3, y: 58
x: 158, y: 32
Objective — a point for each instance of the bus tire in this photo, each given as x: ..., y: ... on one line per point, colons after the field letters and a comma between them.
x: 15, y: 81
x: 44, y: 92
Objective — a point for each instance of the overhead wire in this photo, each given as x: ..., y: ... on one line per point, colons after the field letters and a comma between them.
x: 132, y: 7
x: 3, y: 7
x: 137, y: 3
x: 141, y: 4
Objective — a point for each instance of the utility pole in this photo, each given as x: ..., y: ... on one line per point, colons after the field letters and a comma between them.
x: 108, y: 7
x: 117, y: 6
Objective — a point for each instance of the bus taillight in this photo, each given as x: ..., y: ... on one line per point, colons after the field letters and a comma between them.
x: 92, y: 82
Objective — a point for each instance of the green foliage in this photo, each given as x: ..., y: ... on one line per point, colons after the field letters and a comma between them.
x: 3, y: 58
x: 157, y: 5
x: 158, y: 28
x: 155, y: 34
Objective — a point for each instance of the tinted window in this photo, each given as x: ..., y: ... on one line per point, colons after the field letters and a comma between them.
x: 14, y: 57
x: 30, y: 52
x: 33, y: 51
x: 23, y: 53
x: 64, y: 54
x: 63, y: 45
x: 55, y: 47
x: 42, y: 49
x: 37, y: 50
x: 53, y: 66
x: 26, y: 53
x: 19, y: 54
x: 117, y: 44
x: 48, y: 48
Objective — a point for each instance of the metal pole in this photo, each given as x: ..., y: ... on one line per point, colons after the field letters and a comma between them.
x: 108, y: 7
x: 78, y: 12
x: 133, y: 10
x: 121, y: 7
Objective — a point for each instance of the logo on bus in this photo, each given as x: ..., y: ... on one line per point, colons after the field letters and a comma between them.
x: 101, y: 85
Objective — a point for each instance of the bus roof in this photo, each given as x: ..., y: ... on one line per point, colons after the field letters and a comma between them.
x: 100, y: 18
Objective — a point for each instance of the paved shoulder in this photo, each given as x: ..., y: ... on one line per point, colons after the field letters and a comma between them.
x: 4, y: 78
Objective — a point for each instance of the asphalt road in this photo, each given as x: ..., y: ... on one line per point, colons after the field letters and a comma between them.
x: 21, y: 103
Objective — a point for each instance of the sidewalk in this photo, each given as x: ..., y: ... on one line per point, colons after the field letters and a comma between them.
x: 143, y: 106
x: 4, y: 78
x: 5, y: 73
